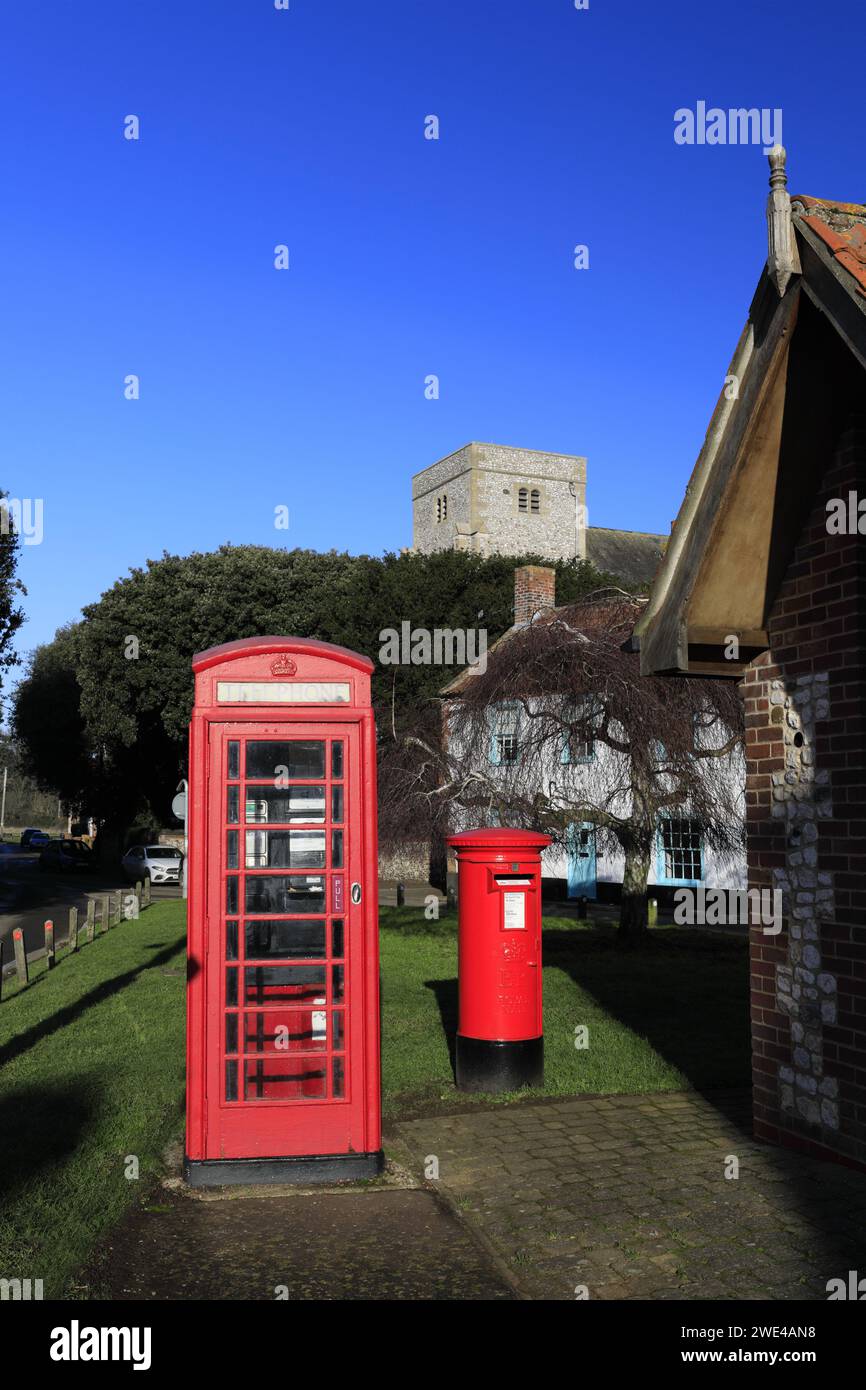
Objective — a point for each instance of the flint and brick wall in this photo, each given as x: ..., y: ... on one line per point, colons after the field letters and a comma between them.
x: 806, y: 818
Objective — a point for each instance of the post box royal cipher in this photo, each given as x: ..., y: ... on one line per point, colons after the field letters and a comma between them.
x: 283, y: 993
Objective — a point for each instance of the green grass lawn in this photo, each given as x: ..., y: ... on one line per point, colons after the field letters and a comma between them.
x: 92, y: 1055
x: 671, y: 1016
x: 91, y: 1071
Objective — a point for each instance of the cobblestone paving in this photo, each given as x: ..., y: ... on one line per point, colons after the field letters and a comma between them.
x: 627, y: 1196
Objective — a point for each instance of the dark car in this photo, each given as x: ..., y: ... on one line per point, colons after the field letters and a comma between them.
x: 66, y: 856
x: 31, y: 838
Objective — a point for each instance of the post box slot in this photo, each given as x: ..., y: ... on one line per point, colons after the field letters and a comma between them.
x: 513, y: 881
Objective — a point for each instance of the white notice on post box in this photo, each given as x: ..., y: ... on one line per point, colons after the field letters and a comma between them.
x: 515, y: 911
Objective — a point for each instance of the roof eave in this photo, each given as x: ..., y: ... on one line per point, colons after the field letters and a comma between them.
x: 661, y: 628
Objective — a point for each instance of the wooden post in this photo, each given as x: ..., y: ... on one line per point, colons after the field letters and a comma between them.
x: 49, y: 945
x: 105, y: 914
x: 582, y: 904
x: 139, y: 893
x: 2, y: 944
x: 20, y: 955
x: 146, y: 898
x: 90, y: 922
x: 652, y: 914
x: 72, y: 941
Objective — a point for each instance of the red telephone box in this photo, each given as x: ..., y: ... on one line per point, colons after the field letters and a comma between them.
x: 500, y: 1034
x: 283, y: 994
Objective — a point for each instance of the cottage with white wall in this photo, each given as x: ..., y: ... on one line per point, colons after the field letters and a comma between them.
x: 590, y: 771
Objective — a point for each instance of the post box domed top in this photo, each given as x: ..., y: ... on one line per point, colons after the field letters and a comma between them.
x: 264, y: 646
x: 499, y: 838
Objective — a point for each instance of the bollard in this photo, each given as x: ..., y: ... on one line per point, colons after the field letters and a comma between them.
x: 146, y: 898
x: 2, y: 944
x: 582, y: 904
x: 90, y: 921
x: 105, y: 914
x: 20, y: 955
x: 72, y: 939
x: 451, y: 897
x: 652, y: 915
x: 49, y: 945
x: 401, y: 895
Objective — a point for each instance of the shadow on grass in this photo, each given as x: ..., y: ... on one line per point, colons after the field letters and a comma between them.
x: 31, y: 1036
x: 40, y: 1127
x: 446, y: 995
x: 686, y: 994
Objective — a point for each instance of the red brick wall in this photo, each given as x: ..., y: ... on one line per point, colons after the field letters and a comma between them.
x: 805, y: 706
x: 534, y: 589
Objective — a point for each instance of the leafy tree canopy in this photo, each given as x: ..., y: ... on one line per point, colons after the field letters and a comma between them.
x: 123, y: 678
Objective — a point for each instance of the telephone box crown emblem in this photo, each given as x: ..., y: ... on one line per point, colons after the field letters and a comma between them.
x: 283, y: 666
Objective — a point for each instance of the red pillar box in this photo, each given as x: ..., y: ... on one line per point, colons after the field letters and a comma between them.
x: 500, y: 1043
x: 283, y: 995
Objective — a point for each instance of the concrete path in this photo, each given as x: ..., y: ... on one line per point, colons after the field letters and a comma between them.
x: 370, y: 1243
x: 625, y: 1197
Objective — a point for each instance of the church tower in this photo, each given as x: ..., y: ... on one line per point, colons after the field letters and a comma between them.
x: 491, y: 499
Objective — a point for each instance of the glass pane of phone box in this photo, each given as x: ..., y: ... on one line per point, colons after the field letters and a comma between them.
x: 280, y: 1078
x: 284, y: 984
x: 285, y: 893
x: 285, y: 939
x: 284, y: 805
x: 275, y: 1032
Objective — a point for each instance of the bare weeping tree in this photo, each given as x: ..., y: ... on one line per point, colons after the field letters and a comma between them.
x: 584, y: 738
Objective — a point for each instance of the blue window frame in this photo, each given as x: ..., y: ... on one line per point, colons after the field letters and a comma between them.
x: 504, y: 733
x: 679, y: 852
x: 576, y: 749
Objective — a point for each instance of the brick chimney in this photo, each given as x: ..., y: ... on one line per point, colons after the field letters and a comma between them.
x: 534, y: 589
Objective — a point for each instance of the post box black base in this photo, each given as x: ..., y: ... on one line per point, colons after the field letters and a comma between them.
x: 482, y: 1065
x: 231, y: 1172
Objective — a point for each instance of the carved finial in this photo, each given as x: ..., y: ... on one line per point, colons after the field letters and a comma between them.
x: 778, y: 176
x: 784, y: 258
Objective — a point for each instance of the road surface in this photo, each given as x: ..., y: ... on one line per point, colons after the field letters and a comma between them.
x: 29, y: 896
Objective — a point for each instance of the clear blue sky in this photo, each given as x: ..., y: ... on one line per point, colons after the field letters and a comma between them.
x: 305, y: 388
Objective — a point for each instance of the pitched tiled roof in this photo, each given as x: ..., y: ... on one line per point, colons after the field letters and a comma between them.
x: 842, y: 228
x: 633, y: 556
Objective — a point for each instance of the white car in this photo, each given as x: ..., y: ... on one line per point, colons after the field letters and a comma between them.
x: 159, y: 863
